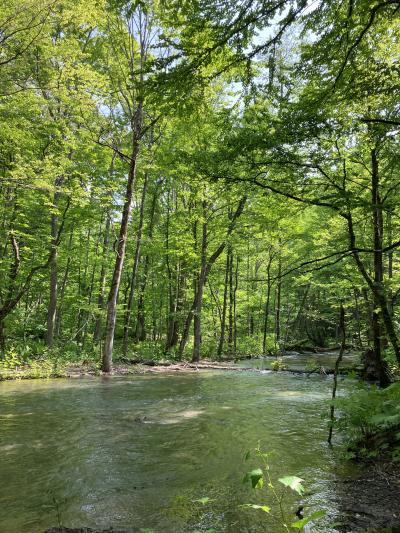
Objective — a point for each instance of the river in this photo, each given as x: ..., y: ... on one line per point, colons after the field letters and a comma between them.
x: 137, y: 452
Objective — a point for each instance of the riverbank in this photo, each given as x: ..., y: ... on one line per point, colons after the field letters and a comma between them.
x: 371, y: 500
x: 78, y: 370
x: 44, y: 369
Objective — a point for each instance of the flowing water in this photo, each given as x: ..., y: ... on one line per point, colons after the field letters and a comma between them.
x: 136, y: 452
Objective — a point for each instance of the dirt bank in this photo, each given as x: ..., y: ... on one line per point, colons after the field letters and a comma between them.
x: 371, y: 500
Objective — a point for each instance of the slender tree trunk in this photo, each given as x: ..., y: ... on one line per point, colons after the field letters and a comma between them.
x: 278, y: 306
x: 52, y: 308
x: 378, y: 263
x: 133, y: 281
x: 358, y: 317
x: 64, y: 284
x: 230, y: 307
x: 236, y: 281
x: 2, y: 337
x: 102, y: 278
x: 376, y: 286
x: 224, y: 305
x: 119, y: 260
x: 196, y: 304
x: 140, y: 331
x: 174, y: 275
x: 189, y: 316
x: 200, y: 290
x: 266, y: 308
x: 390, y: 262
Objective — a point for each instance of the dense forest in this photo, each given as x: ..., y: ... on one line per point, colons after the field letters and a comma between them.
x: 198, y: 178
x: 201, y: 180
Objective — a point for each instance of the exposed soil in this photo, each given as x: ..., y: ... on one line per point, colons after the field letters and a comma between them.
x: 371, y: 501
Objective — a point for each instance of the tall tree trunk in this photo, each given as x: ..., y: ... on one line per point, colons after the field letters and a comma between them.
x: 376, y: 286
x: 378, y: 266
x: 390, y: 262
x: 230, y: 307
x: 209, y: 263
x: 140, y: 331
x: 224, y: 304
x: 236, y: 281
x: 52, y: 308
x: 266, y: 308
x: 278, y: 306
x: 102, y: 277
x: 200, y: 290
x: 120, y: 257
x: 189, y: 316
x: 174, y: 276
x: 133, y: 280
x: 357, y: 314
x: 64, y: 284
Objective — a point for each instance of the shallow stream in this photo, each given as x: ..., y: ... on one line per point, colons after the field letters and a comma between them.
x: 137, y: 452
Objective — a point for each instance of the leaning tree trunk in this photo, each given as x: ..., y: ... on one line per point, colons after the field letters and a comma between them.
x: 119, y: 261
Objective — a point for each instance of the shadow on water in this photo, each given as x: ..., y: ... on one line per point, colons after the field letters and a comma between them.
x: 137, y: 451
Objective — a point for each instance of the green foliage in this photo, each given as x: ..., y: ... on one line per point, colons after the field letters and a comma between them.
x: 256, y: 478
x: 294, y: 483
x: 290, y: 127
x: 370, y: 419
x: 261, y: 477
x: 278, y: 364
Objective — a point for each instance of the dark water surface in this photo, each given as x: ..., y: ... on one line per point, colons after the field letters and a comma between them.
x: 135, y: 452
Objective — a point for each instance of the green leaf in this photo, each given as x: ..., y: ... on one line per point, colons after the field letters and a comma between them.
x: 299, y: 524
x: 264, y: 508
x: 294, y: 483
x: 255, y: 477
x: 247, y: 455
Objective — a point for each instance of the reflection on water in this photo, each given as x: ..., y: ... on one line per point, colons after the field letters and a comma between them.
x: 136, y: 452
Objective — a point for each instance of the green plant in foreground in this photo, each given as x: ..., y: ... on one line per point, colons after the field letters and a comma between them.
x: 261, y: 477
